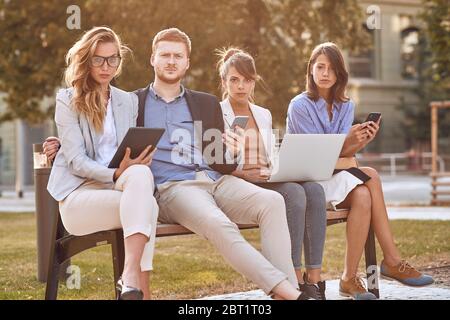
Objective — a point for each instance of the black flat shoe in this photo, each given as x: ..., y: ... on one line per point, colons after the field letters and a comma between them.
x: 312, y: 291
x: 128, y: 293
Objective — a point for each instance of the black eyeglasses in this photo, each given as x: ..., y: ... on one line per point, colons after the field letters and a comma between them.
x: 112, y: 61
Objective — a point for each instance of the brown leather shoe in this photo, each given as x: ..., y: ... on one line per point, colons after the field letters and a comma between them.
x: 405, y: 274
x: 354, y: 288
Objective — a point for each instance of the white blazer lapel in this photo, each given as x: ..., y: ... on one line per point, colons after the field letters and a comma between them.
x: 228, y: 113
x: 264, y: 124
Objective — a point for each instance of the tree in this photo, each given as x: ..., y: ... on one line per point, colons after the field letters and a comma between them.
x: 434, y: 75
x: 32, y: 47
x: 437, y: 17
x: 279, y: 33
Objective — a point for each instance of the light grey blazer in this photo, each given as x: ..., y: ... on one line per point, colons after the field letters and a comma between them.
x: 75, y: 162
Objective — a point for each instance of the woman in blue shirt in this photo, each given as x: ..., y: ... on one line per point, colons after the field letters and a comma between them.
x: 325, y: 109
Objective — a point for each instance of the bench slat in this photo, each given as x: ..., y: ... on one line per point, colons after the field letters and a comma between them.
x: 333, y: 215
x: 165, y: 230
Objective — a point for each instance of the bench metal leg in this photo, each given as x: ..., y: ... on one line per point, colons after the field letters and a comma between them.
x: 57, y: 231
x: 51, y: 290
x: 118, y: 256
x: 371, y: 264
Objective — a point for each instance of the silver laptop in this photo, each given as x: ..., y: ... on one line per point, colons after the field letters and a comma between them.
x: 307, y: 157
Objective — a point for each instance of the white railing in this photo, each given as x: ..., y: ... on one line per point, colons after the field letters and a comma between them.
x: 393, y: 159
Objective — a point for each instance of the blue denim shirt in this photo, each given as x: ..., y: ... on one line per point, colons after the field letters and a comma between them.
x: 178, y: 156
x: 309, y: 116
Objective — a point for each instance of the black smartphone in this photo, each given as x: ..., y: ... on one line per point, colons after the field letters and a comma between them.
x: 373, y: 116
x: 240, y: 121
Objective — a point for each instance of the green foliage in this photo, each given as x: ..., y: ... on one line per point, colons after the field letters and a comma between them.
x: 280, y: 34
x: 434, y: 73
x: 437, y: 17
x: 33, y: 44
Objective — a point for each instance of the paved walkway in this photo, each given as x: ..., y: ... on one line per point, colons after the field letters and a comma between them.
x: 410, y: 190
x: 389, y: 290
x: 419, y: 213
x: 10, y: 203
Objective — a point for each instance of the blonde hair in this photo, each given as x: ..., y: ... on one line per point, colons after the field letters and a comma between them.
x: 242, y: 61
x: 87, y: 97
x: 173, y: 35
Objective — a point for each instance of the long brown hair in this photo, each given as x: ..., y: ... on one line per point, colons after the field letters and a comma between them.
x: 87, y: 98
x: 333, y: 53
x: 242, y: 61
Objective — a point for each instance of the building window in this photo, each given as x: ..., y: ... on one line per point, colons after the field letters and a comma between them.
x: 410, y: 53
x: 361, y: 64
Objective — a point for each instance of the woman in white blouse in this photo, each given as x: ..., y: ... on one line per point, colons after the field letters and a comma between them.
x: 92, y: 118
x: 305, y: 201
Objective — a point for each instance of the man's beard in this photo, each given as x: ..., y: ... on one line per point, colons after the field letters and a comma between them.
x: 163, y: 78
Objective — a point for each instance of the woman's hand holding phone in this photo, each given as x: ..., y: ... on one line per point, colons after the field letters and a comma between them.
x: 361, y: 134
x: 372, y: 125
x: 370, y: 130
x: 357, y: 134
x: 234, y: 140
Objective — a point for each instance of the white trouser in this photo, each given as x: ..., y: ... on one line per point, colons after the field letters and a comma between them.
x: 128, y: 204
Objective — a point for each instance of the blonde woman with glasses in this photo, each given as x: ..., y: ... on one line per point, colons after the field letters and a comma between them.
x: 92, y: 118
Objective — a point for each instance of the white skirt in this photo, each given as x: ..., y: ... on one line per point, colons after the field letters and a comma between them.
x: 340, y: 185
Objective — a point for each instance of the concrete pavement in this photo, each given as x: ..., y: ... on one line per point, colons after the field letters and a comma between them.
x: 389, y: 290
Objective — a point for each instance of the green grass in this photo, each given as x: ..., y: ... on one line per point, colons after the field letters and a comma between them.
x: 187, y: 266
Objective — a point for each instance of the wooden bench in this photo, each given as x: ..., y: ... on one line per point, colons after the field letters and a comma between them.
x: 437, y: 176
x: 166, y: 230
x: 64, y: 246
x: 437, y: 181
x: 333, y: 217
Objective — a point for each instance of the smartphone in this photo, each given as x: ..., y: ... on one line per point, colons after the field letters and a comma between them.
x: 240, y: 121
x: 373, y: 116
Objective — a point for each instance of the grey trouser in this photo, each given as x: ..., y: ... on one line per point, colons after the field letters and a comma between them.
x: 307, y: 219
